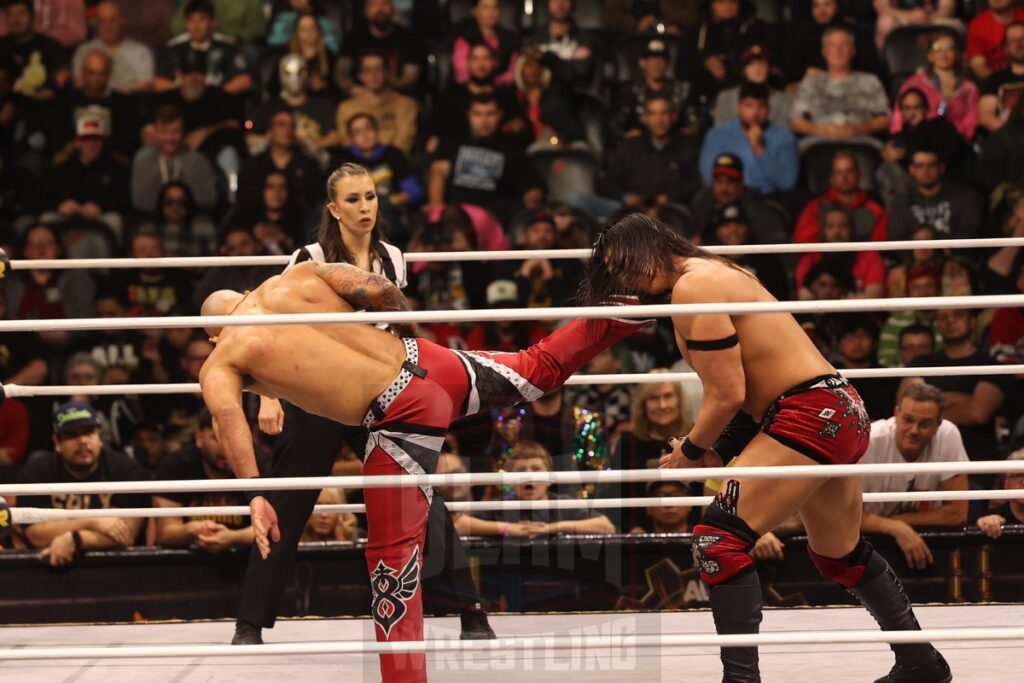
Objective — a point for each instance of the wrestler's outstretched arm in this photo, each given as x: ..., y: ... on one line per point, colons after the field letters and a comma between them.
x: 365, y: 291
x: 222, y: 391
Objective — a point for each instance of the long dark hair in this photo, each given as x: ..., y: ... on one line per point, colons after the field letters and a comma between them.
x: 329, y: 235
x: 632, y: 250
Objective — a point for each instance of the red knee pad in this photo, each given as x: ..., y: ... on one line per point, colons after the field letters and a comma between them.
x: 862, y: 564
x: 721, y: 546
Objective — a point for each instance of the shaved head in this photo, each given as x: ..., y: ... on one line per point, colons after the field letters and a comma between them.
x: 221, y: 302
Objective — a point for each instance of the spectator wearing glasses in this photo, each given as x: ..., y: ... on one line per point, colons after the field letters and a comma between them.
x: 396, y: 113
x: 953, y: 210
x: 948, y: 93
x: 183, y: 230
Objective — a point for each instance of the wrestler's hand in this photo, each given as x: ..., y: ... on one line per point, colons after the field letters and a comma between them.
x: 676, y: 457
x: 271, y: 416
x: 915, y: 550
x: 992, y: 525
x: 264, y: 525
x: 768, y: 547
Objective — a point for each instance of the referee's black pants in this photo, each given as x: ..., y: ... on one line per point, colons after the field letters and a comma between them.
x: 307, y: 447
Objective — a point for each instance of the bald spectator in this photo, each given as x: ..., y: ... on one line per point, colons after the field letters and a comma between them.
x: 132, y: 67
x: 866, y: 266
x: 985, y: 46
x: 93, y: 94
x: 916, y: 433
x: 840, y: 104
x: 869, y: 218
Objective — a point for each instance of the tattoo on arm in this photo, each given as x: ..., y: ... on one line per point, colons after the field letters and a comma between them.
x: 366, y: 291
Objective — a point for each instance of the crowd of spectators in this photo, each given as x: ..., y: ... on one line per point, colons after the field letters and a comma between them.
x: 206, y: 127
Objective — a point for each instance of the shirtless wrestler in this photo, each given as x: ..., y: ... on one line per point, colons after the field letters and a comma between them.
x: 406, y: 391
x: 771, y: 399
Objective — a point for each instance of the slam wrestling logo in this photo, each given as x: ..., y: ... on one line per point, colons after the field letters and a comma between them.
x: 392, y: 589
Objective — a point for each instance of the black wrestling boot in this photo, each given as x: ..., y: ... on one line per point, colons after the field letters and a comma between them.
x: 475, y: 626
x: 247, y: 634
x: 885, y: 599
x: 736, y: 606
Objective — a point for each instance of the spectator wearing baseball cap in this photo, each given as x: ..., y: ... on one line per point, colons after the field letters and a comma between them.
x: 727, y: 187
x: 768, y: 151
x: 81, y: 456
x: 91, y: 185
x: 656, y: 79
x: 730, y: 226
x: 504, y: 335
x: 756, y: 66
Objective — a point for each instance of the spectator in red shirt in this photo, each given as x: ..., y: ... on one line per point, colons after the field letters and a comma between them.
x: 869, y: 219
x: 985, y: 52
x: 866, y: 266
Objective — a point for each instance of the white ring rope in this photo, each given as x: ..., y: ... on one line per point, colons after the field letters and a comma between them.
x: 522, y: 643
x: 515, y: 478
x: 33, y: 515
x: 26, y: 391
x: 512, y: 314
x: 517, y: 255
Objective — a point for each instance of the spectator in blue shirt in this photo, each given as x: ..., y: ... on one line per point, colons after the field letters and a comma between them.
x: 769, y: 152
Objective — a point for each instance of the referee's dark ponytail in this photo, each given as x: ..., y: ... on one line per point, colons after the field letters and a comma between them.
x: 329, y: 232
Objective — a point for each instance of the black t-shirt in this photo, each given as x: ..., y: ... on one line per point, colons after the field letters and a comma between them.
x: 994, y: 83
x: 449, y: 119
x: 171, y: 291
x: 487, y: 170
x: 38, y: 51
x: 121, y: 109
x: 187, y: 463
x: 979, y: 440
x: 547, y: 516
x: 224, y: 61
x: 114, y: 466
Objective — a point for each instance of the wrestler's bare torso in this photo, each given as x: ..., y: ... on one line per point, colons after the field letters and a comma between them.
x: 334, y: 371
x: 776, y: 352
